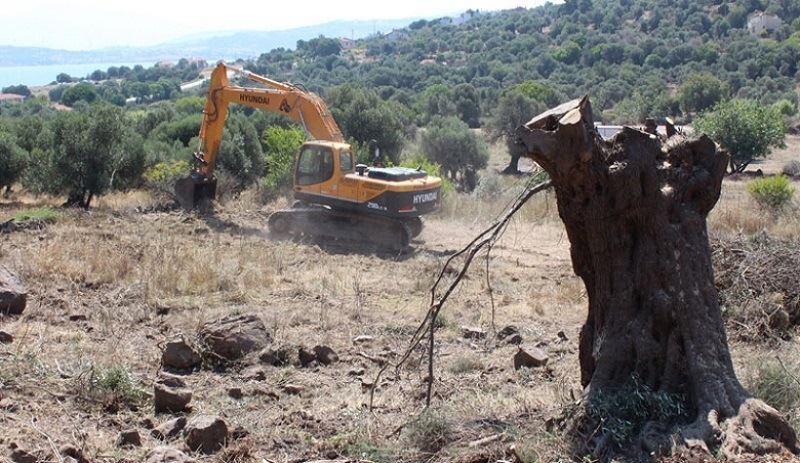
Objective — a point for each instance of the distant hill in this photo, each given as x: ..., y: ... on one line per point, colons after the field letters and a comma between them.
x: 212, y: 46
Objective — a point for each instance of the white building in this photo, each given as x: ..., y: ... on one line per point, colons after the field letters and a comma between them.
x: 759, y: 23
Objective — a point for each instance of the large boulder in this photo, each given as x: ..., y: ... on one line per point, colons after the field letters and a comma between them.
x: 206, y: 433
x: 231, y: 338
x: 170, y: 395
x: 13, y: 296
x: 179, y: 355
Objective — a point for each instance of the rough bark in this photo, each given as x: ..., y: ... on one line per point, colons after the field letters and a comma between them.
x: 634, y: 208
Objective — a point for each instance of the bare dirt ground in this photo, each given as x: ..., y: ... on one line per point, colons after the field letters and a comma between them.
x: 110, y: 287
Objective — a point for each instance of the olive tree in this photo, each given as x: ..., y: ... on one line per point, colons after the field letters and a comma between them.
x: 512, y: 110
x: 460, y: 152
x: 87, y: 152
x: 747, y: 129
x: 12, y: 161
x: 700, y: 92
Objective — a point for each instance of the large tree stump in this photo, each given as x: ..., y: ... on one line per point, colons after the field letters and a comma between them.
x: 635, y: 207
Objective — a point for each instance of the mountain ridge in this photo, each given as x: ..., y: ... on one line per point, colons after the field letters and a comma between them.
x: 213, y: 46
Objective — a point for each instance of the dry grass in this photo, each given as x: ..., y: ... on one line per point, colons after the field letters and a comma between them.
x: 107, y: 288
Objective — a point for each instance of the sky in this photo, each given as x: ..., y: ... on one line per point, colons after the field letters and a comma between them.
x: 93, y: 24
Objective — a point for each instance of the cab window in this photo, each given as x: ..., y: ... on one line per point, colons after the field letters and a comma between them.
x: 315, y: 165
x: 345, y: 161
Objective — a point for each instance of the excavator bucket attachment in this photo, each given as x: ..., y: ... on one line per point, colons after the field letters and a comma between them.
x: 192, y: 190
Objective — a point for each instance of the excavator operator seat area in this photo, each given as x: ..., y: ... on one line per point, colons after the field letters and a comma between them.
x: 315, y: 165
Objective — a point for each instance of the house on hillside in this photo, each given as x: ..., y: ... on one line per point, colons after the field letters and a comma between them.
x: 198, y: 63
x: 346, y: 44
x: 8, y: 97
x: 397, y: 34
x: 759, y: 23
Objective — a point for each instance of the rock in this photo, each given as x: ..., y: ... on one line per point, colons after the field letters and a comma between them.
x: 235, y: 393
x: 206, y: 433
x: 231, y: 338
x: 293, y: 389
x: 73, y: 452
x: 13, y: 296
x: 6, y: 338
x: 23, y: 456
x: 530, y: 357
x: 171, y: 395
x: 169, y: 429
x: 19, y: 455
x: 180, y: 355
x: 306, y: 357
x: 254, y: 373
x: 276, y: 357
x: 129, y: 438
x: 469, y: 332
x: 165, y: 454
x: 325, y: 355
x: 509, y: 330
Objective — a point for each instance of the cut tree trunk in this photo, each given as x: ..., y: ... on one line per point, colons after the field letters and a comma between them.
x: 634, y: 208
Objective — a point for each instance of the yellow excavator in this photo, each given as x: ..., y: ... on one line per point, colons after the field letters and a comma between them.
x: 336, y: 198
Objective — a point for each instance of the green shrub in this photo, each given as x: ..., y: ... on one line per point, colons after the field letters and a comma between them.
x: 163, y: 175
x: 429, y: 431
x: 773, y: 192
x: 120, y: 384
x: 40, y: 214
x: 433, y: 169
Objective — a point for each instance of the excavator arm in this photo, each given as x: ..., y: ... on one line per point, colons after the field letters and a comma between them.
x: 306, y: 108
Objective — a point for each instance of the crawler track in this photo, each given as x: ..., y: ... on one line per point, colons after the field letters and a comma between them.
x: 334, y: 227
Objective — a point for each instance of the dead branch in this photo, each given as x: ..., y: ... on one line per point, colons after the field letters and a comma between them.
x: 485, y: 240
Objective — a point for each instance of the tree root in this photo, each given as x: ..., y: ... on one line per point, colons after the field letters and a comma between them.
x: 758, y: 429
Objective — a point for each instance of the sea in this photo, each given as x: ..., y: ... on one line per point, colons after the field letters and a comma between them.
x: 37, y: 76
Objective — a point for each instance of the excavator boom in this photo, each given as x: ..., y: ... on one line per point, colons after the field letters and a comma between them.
x: 306, y: 108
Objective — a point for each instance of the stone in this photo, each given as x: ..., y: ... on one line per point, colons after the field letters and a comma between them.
x: 13, y: 296
x: 306, y: 356
x: 6, y: 338
x: 129, y: 438
x: 180, y: 356
x: 206, y: 434
x: 469, y: 332
x: 325, y: 355
x: 231, y: 338
x: 171, y: 395
x: 164, y: 454
x: 530, y: 357
x: 509, y: 330
x: 169, y: 429
x: 276, y: 357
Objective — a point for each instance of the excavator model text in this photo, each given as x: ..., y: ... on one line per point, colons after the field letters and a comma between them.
x: 336, y: 198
